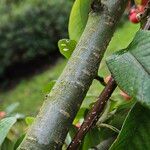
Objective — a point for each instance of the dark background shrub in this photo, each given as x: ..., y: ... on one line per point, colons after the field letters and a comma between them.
x: 29, y: 28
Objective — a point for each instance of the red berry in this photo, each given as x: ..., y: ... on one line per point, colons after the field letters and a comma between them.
x: 125, y: 95
x: 133, y: 18
x: 132, y: 10
x: 2, y: 114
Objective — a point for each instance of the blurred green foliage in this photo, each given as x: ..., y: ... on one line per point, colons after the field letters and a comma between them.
x: 28, y: 94
x: 29, y: 28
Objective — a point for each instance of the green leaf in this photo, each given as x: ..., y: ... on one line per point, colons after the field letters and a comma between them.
x: 135, y: 133
x: 131, y: 67
x: 11, y: 108
x: 80, y: 115
x: 7, y: 145
x: 18, y: 142
x: 49, y: 86
x: 66, y: 47
x: 18, y: 116
x: 5, y: 126
x: 91, y: 139
x: 78, y: 18
x: 29, y: 120
x: 72, y: 131
x: 104, y: 145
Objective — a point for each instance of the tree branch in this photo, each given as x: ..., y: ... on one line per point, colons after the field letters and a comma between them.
x: 60, y: 107
x: 94, y: 114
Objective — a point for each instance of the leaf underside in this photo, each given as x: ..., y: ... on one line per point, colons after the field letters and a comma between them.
x: 131, y: 67
x: 5, y: 125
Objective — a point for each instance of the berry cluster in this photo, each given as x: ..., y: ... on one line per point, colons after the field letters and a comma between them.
x: 136, y: 10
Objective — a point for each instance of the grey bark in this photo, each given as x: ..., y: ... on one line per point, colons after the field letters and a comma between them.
x: 50, y: 128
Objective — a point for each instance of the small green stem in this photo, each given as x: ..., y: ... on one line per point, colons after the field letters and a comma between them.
x: 101, y: 80
x: 109, y: 127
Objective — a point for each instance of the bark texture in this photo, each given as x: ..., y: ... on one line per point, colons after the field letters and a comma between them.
x: 51, y: 126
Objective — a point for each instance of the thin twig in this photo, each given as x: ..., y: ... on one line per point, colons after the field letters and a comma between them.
x: 94, y: 114
x: 147, y: 25
x: 147, y: 16
x: 146, y: 10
